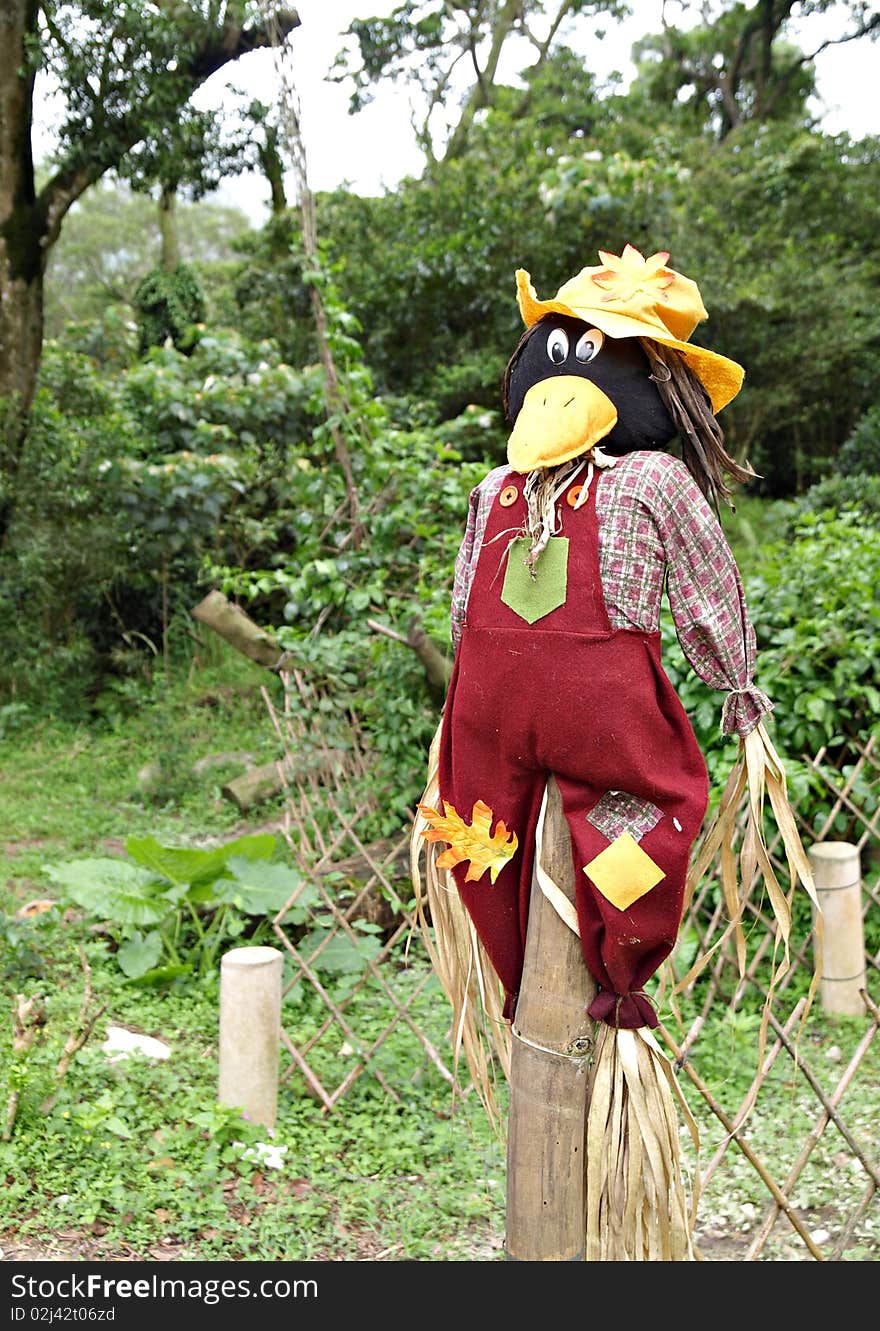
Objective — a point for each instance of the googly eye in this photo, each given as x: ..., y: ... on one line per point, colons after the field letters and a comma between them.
x: 589, y: 344
x: 557, y: 345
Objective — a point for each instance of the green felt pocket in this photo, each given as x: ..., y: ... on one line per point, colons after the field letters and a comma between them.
x: 532, y: 595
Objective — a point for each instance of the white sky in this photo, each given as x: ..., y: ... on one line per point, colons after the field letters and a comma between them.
x: 376, y: 148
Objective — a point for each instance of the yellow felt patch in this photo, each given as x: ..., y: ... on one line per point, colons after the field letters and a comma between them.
x: 623, y: 872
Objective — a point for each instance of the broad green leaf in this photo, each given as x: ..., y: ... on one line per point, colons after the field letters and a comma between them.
x: 187, y: 864
x: 340, y: 956
x: 112, y: 889
x: 262, y: 888
x: 140, y: 954
x: 113, y: 1123
x: 161, y: 975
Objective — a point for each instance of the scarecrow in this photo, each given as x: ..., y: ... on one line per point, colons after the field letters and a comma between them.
x: 556, y: 628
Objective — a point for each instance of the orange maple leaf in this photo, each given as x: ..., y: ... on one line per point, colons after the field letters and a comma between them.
x: 475, y: 843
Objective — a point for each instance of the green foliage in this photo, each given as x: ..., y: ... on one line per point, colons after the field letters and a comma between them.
x: 741, y: 219
x: 230, y: 393
x: 428, y: 270
x: 129, y: 483
x: 124, y: 103
x: 65, y: 546
x: 412, y: 486
x: 147, y: 901
x: 438, y: 309
x: 422, y: 41
x: 109, y: 242
x: 812, y: 599
x: 856, y: 492
x: 860, y: 453
x: 141, y: 1153
x: 24, y: 938
x: 817, y: 621
x: 736, y: 68
x: 169, y: 306
x: 265, y: 295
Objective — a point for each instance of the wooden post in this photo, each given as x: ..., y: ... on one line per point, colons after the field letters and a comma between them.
x: 837, y: 873
x: 552, y: 1040
x: 250, y: 1028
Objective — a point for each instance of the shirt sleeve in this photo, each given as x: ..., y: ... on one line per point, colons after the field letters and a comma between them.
x: 464, y: 569
x: 707, y: 601
x: 480, y: 503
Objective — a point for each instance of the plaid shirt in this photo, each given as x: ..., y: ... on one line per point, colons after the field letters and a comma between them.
x: 655, y: 526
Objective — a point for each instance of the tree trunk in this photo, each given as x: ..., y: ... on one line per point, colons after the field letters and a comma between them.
x: 273, y: 169
x: 239, y: 630
x: 168, y: 228
x: 482, y: 92
x: 22, y: 255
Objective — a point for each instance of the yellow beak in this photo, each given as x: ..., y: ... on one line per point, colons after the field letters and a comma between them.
x: 560, y: 418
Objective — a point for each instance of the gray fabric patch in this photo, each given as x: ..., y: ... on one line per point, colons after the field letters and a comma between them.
x: 618, y: 812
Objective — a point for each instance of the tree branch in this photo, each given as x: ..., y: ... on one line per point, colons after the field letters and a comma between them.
x: 423, y: 133
x: 479, y: 95
x: 873, y: 25
x: 544, y: 47
x: 437, y: 668
x: 233, y: 41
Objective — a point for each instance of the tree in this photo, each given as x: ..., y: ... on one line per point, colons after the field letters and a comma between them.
x: 741, y: 62
x: 123, y: 72
x: 430, y: 43
x: 111, y: 238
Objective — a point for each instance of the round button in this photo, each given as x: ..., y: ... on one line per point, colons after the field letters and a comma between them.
x: 508, y: 496
x: 574, y: 494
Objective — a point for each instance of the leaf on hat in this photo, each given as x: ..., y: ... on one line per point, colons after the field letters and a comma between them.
x: 630, y: 272
x: 475, y: 842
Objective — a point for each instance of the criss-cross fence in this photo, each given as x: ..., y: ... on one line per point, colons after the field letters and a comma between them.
x: 788, y: 1168
x: 811, y: 1139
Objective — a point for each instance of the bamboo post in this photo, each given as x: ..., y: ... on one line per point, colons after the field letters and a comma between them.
x: 552, y: 1040
x: 837, y: 873
x: 250, y: 1031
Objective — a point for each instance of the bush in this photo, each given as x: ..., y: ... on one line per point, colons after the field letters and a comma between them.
x: 860, y: 452
x: 817, y: 619
x: 129, y: 483
x: 169, y: 305
x: 857, y: 493
x: 65, y: 545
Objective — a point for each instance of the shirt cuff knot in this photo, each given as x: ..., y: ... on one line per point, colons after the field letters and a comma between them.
x: 743, y: 709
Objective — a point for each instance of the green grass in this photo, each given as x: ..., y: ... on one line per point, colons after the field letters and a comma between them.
x: 139, y: 1156
x: 77, y: 788
x: 138, y: 1159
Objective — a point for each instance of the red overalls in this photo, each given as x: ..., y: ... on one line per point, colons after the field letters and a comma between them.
x: 572, y: 696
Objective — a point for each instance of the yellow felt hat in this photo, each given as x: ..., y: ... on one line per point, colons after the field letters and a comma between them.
x: 631, y: 296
